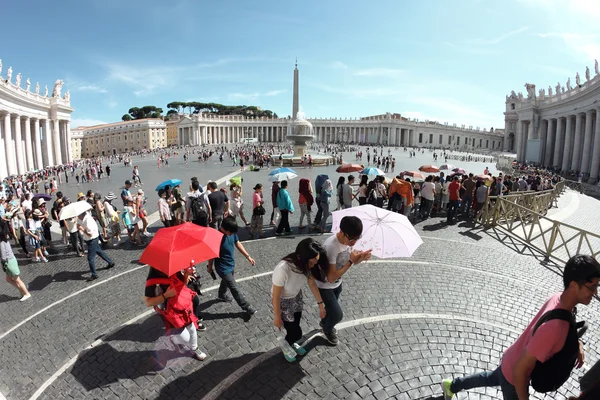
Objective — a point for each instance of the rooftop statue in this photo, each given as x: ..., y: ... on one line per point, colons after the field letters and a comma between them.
x: 18, y: 80
x: 558, y: 88
x: 542, y: 94
x: 587, y: 74
x: 57, y: 88
x: 596, y: 67
x: 28, y: 82
x: 577, y: 79
x: 569, y: 84
x: 46, y: 91
x: 67, y: 96
x: 37, y: 88
x: 530, y: 90
x: 549, y: 91
x: 9, y: 74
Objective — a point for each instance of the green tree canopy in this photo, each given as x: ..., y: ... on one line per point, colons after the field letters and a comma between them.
x: 219, y: 109
x: 143, y: 112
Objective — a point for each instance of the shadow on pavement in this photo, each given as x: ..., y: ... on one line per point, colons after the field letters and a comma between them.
x: 147, y: 331
x: 40, y: 282
x: 435, y: 398
x: 435, y: 227
x: 4, y: 298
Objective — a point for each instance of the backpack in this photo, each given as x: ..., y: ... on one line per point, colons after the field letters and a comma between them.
x: 178, y: 311
x: 319, y: 182
x: 372, y: 197
x: 551, y: 375
x: 198, y: 207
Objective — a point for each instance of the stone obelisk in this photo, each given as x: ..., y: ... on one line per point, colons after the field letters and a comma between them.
x: 295, y: 102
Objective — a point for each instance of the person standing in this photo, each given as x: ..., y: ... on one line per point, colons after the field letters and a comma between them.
x: 325, y: 202
x: 454, y: 196
x: 219, y: 205
x: 543, y: 338
x: 347, y: 195
x: 290, y: 275
x: 258, y: 212
x: 10, y: 266
x: 112, y: 219
x: 274, y: 193
x: 305, y: 201
x: 341, y: 258
x: 225, y: 265
x: 88, y: 227
x: 284, y: 203
x: 467, y: 198
x: 197, y: 206
x: 427, y: 197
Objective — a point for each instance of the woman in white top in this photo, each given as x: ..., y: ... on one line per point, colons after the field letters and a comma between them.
x: 237, y: 203
x: 289, y: 277
x: 112, y: 219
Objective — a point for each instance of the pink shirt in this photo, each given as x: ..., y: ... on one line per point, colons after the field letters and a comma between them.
x: 256, y: 199
x: 548, y: 340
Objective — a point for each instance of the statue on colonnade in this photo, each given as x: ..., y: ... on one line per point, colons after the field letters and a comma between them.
x: 577, y: 79
x: 37, y: 88
x: 46, y: 91
x: 18, y: 80
x: 67, y: 96
x: 569, y: 84
x: 530, y: 90
x: 9, y: 74
x: 542, y: 94
x: 549, y: 91
x: 28, y: 83
x: 57, y: 88
x: 596, y: 67
x: 587, y: 74
x: 558, y: 88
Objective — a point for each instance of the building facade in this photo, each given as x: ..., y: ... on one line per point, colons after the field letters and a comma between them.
x: 35, y: 128
x: 76, y: 143
x: 172, y: 131
x: 122, y: 137
x: 386, y: 129
x: 557, y: 128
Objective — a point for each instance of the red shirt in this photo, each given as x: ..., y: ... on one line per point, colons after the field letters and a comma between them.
x: 454, y: 188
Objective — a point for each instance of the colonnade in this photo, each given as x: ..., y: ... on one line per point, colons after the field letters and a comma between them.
x: 32, y: 143
x: 570, y: 142
x: 229, y: 134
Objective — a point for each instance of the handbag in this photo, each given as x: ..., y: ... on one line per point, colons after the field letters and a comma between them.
x: 259, y: 210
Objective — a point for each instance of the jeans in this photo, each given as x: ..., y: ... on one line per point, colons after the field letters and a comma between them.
x: 304, y: 211
x: 325, y: 210
x: 334, y: 313
x: 77, y: 241
x: 319, y: 215
x: 467, y: 202
x: 395, y: 197
x: 284, y: 224
x: 186, y: 336
x: 217, y: 220
x: 486, y: 379
x: 452, y: 207
x: 425, y: 209
x: 292, y: 329
x: 93, y: 249
x: 228, y: 282
x: 362, y: 201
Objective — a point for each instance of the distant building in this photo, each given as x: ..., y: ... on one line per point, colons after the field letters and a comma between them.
x: 76, y: 143
x: 121, y: 137
x: 172, y: 139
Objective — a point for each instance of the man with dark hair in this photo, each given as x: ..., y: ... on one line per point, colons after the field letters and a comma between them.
x: 454, y: 196
x: 341, y: 258
x: 347, y: 195
x: 537, y: 343
x: 225, y: 264
x: 219, y: 205
x: 197, y: 206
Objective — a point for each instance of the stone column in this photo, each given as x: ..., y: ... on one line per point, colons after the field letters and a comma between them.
x: 558, y: 145
x: 19, y: 146
x: 595, y: 165
x: 518, y: 140
x: 549, y: 142
x: 576, y: 161
x: 567, y: 147
x: 39, y: 163
x: 587, y: 143
x: 69, y: 146
x: 56, y: 141
x: 9, y: 145
x: 28, y: 147
x: 4, y: 140
x: 49, y: 145
x: 543, y: 136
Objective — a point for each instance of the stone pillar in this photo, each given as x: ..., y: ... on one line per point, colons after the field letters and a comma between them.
x: 9, y: 145
x: 576, y: 161
x: 567, y: 147
x: 56, y: 141
x: 19, y: 146
x: 28, y: 147
x: 518, y: 140
x: 39, y: 163
x: 595, y: 164
x: 587, y: 143
x: 3, y: 153
x: 558, y: 145
x: 550, y: 132
x: 543, y: 136
x: 68, y: 136
x: 49, y: 145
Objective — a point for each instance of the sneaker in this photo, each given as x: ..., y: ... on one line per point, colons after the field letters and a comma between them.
x: 92, y: 278
x: 448, y: 394
x: 111, y: 265
x: 321, y: 325
x: 225, y: 299
x: 36, y: 259
x: 250, y: 311
x: 26, y: 297
x: 198, y: 354
x: 201, y: 327
x: 289, y: 358
x: 46, y: 253
x: 299, y: 349
x: 44, y: 259
x: 332, y: 338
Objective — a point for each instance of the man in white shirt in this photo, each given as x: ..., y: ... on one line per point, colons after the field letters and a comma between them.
x: 427, y: 197
x: 341, y: 258
x: 89, y: 228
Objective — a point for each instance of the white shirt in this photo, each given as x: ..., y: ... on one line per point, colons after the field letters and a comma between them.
x: 27, y: 204
x: 71, y: 224
x: 292, y: 282
x: 337, y: 254
x: 89, y: 225
x: 428, y: 191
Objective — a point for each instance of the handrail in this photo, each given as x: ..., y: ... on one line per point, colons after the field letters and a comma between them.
x: 523, y: 215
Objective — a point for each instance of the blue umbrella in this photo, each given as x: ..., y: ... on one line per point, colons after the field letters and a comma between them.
x: 170, y: 182
x: 372, y: 171
x: 282, y: 170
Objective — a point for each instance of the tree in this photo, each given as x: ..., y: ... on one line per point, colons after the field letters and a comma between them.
x: 126, y: 117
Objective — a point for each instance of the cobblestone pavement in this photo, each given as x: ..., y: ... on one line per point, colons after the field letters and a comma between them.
x: 450, y: 309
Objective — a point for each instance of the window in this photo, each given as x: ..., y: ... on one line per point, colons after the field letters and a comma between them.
x: 431, y: 138
x: 458, y: 140
x: 449, y: 139
x: 487, y: 144
x: 512, y: 125
x: 420, y: 138
x: 480, y: 142
x: 512, y: 106
x: 441, y: 138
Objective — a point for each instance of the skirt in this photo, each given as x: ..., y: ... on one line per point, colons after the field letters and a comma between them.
x: 11, y: 267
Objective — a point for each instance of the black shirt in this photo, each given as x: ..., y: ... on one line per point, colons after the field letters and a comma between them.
x: 217, y: 201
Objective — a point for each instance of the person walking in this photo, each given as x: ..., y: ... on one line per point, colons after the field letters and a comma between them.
x: 88, y: 227
x: 197, y: 206
x: 284, y: 203
x: 339, y: 193
x: 543, y: 338
x: 258, y: 212
x: 219, y: 205
x: 112, y: 219
x: 325, y: 201
x: 341, y: 258
x: 454, y: 195
x: 289, y: 277
x: 318, y: 184
x: 305, y: 201
x: 225, y: 265
x: 347, y: 193
x: 10, y: 266
x: 274, y: 192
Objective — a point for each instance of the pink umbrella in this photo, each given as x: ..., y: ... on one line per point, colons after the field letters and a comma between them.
x: 459, y: 171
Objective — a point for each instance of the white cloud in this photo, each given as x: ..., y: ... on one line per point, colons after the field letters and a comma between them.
x: 379, y: 72
x: 254, y: 96
x: 274, y: 93
x: 90, y: 88
x: 77, y: 122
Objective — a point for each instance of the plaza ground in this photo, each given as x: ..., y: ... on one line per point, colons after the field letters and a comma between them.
x: 449, y: 310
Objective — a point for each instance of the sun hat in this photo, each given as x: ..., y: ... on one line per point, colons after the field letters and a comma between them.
x: 140, y: 191
x: 110, y: 196
x: 80, y: 195
x: 37, y: 213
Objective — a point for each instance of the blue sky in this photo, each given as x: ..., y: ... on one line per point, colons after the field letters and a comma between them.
x: 444, y: 60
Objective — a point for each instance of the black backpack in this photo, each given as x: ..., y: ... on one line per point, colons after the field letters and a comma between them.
x: 198, y: 207
x: 551, y: 375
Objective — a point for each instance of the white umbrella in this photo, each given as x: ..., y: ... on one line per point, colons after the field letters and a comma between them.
x: 449, y: 167
x: 387, y: 233
x: 282, y: 176
x: 74, y: 209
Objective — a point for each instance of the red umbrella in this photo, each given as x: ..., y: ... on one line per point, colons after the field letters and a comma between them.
x: 429, y: 168
x: 345, y: 168
x: 175, y: 248
x: 414, y: 174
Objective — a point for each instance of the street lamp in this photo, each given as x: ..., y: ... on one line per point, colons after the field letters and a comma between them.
x: 342, y: 132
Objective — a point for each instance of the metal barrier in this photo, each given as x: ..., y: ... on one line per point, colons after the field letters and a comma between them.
x: 523, y: 216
